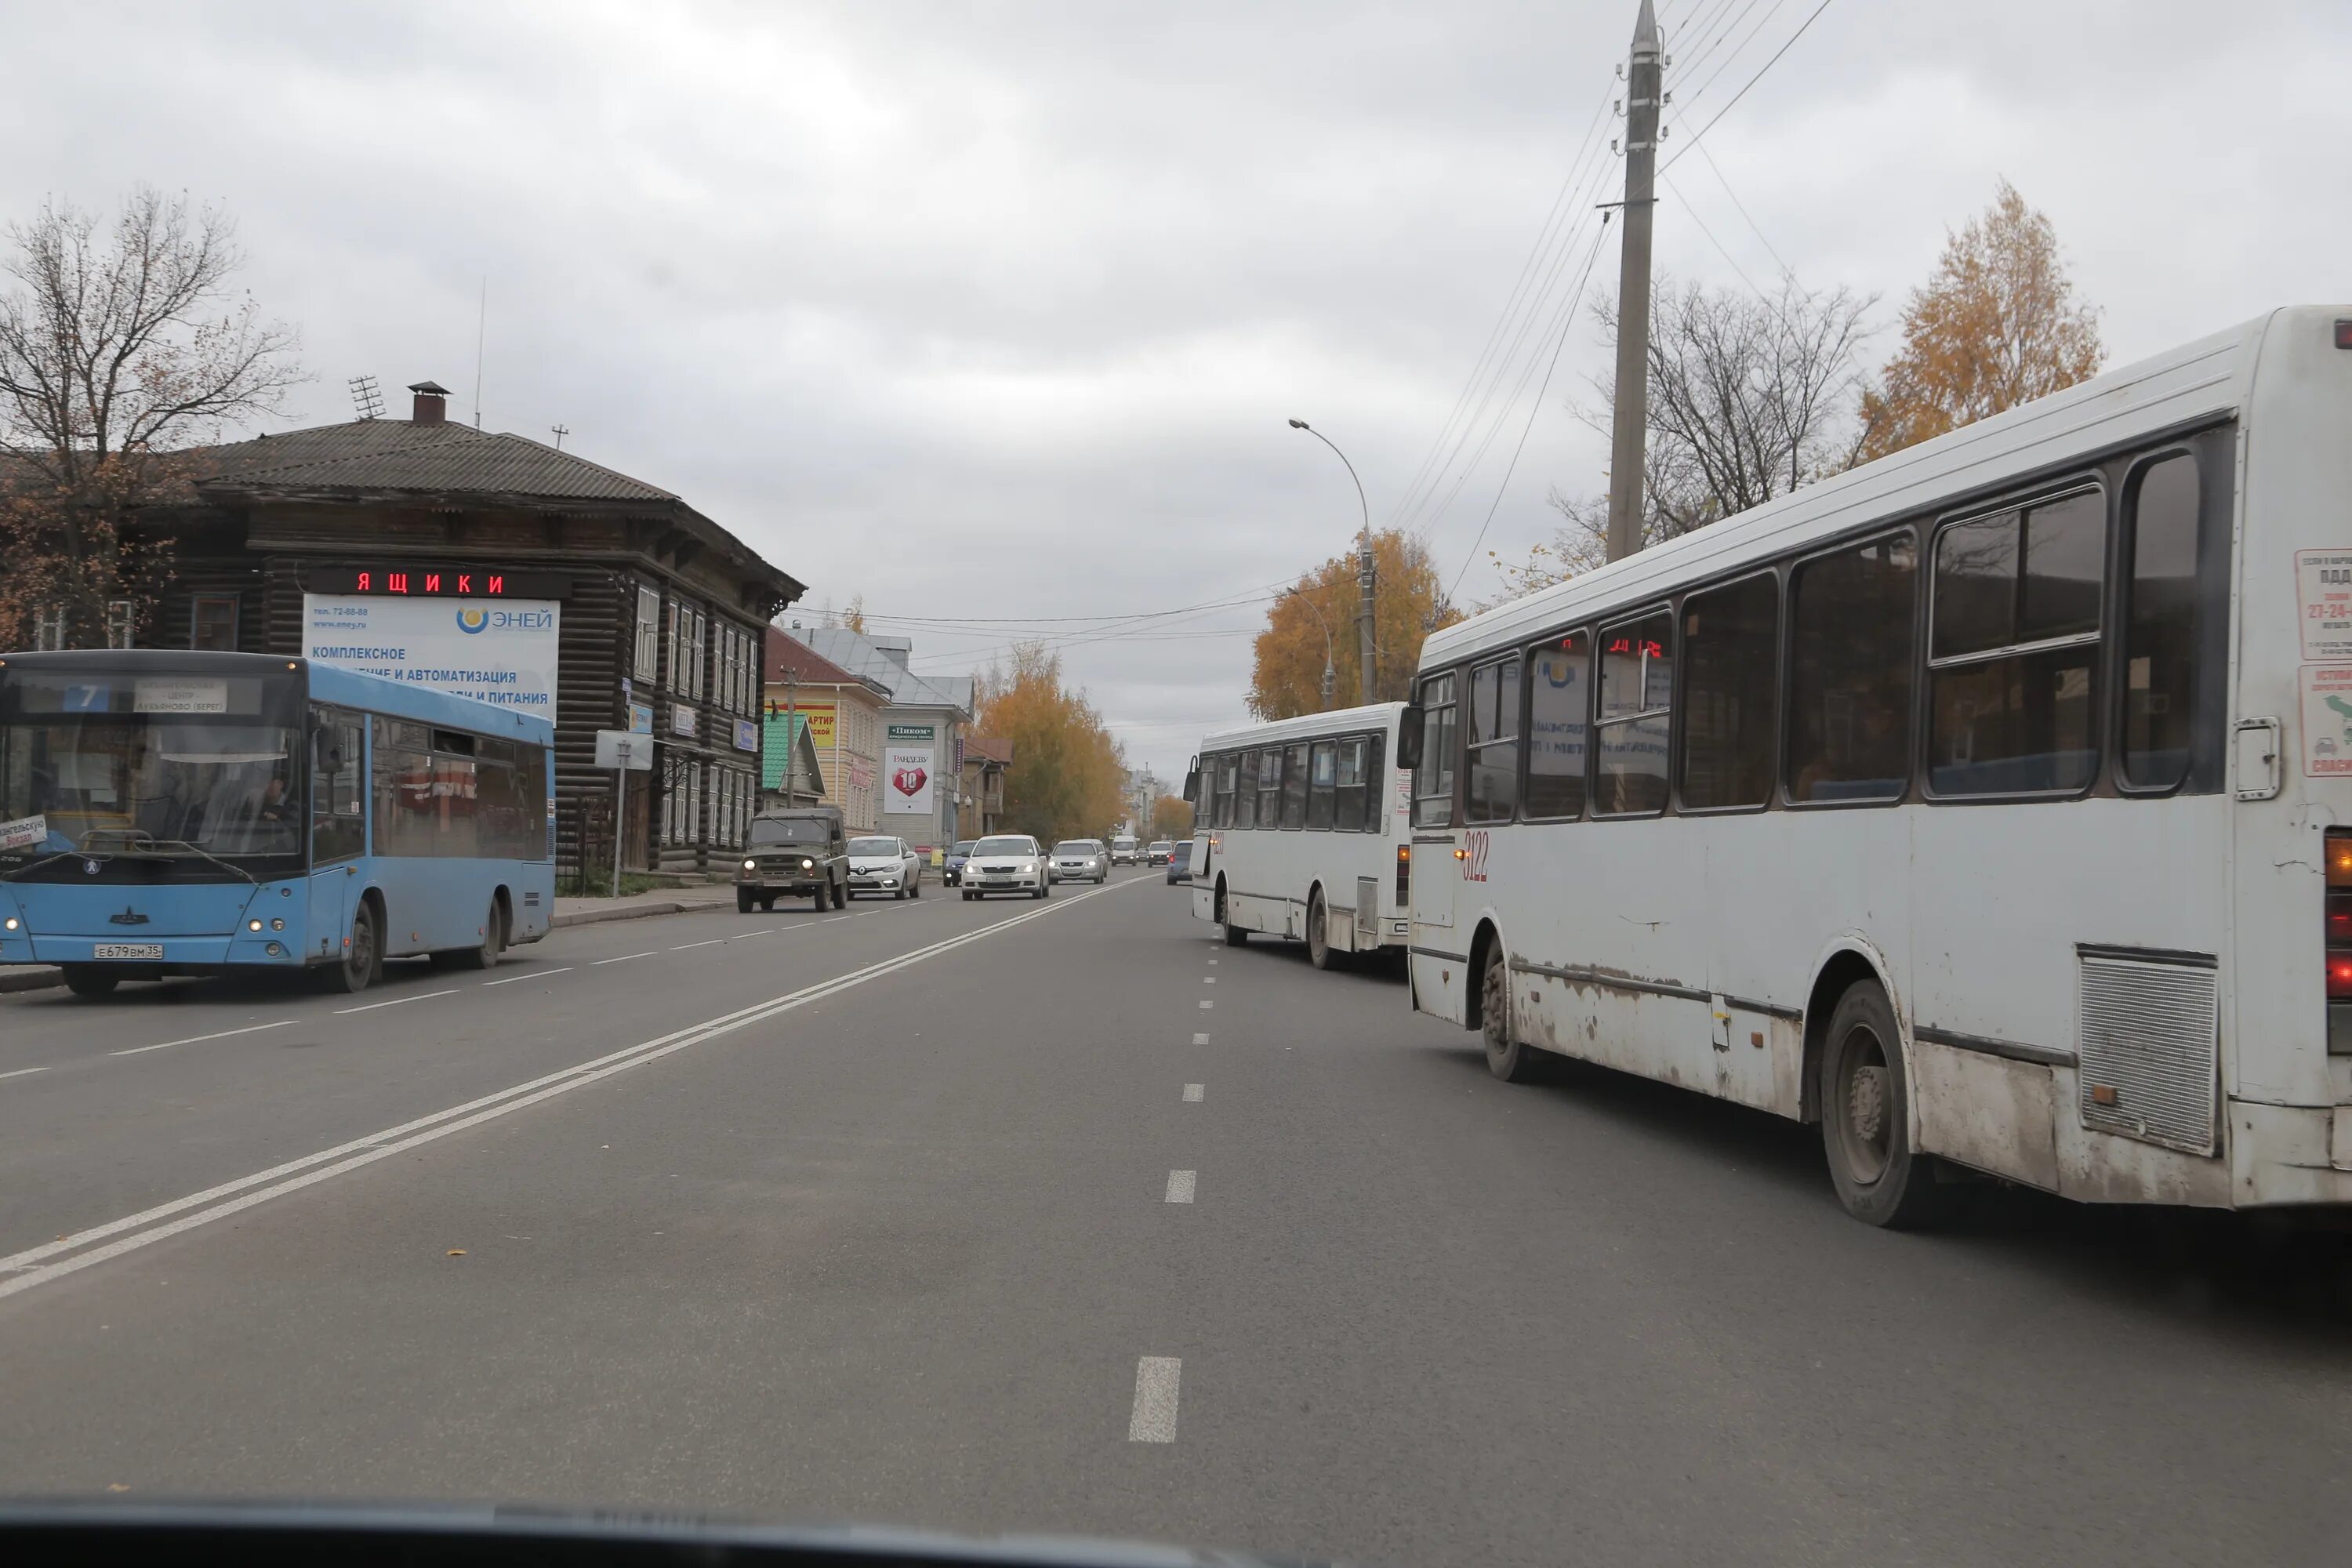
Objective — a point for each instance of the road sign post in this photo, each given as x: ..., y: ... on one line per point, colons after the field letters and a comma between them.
x: 624, y: 753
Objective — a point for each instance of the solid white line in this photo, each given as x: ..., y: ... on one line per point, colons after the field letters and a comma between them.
x: 714, y: 942
x: 375, y: 1146
x: 1196, y: 1092
x: 20, y: 1073
x: 1199, y: 1039
x: 1207, y: 1005
x: 1157, y: 1380
x: 534, y: 975
x: 193, y: 1039
x: 623, y: 959
x: 420, y: 996
x: 1179, y: 1186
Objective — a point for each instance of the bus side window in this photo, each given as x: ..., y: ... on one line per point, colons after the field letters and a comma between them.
x: 1433, y: 782
x: 1245, y: 793
x: 1494, y: 741
x: 1294, y: 785
x: 1635, y: 691
x: 1557, y: 726
x: 1850, y: 615
x: 2160, y: 625
x: 338, y: 826
x: 1322, y: 786
x: 1731, y: 639
x: 1269, y: 787
x: 1348, y: 786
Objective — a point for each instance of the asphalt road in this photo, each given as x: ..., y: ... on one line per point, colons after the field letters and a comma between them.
x: 1064, y: 1217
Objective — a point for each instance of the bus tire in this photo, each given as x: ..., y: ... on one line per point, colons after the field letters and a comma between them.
x: 1865, y: 1099
x: 1508, y: 1058
x: 361, y: 957
x: 1320, y: 952
x: 1235, y: 935
x: 484, y: 954
x: 743, y: 901
x: 87, y: 980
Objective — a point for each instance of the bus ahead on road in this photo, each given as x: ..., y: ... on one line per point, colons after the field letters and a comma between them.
x: 171, y: 813
x: 1989, y: 804
x: 1300, y: 831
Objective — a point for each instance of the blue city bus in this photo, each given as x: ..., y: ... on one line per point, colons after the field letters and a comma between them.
x: 169, y: 813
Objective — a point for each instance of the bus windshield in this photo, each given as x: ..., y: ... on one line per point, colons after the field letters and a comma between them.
x: 210, y: 771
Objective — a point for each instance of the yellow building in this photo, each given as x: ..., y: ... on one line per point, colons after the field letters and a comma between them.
x: 843, y: 714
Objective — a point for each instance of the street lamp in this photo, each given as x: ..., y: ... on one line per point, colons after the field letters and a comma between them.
x: 1363, y: 566
x: 1331, y: 676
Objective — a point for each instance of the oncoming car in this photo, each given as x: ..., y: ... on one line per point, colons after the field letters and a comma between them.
x: 1160, y: 848
x: 1079, y: 860
x: 952, y: 867
x: 793, y: 853
x: 1006, y: 863
x: 880, y: 864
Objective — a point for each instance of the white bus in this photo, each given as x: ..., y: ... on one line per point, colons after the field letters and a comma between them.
x: 1299, y: 831
x: 1980, y: 803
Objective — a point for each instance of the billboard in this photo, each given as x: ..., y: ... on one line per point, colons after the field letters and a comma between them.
x: 906, y: 780
x: 496, y: 650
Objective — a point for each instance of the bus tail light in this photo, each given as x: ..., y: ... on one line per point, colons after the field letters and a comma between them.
x: 1404, y: 876
x: 2337, y: 939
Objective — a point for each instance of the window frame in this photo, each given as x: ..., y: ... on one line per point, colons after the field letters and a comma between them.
x: 1783, y: 798
x: 121, y: 623
x: 1513, y: 661
x: 644, y: 660
x: 198, y: 604
x: 1589, y: 630
x: 2100, y: 640
x: 1364, y: 744
x: 1453, y: 677
x: 1327, y: 795
x: 1776, y: 570
x: 1670, y: 609
x: 1300, y: 753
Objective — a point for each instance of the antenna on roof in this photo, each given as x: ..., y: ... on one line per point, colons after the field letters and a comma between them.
x: 559, y: 432
x: 365, y: 398
x: 481, y: 326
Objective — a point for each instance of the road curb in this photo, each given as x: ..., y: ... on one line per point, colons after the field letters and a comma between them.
x: 633, y: 913
x: 30, y: 979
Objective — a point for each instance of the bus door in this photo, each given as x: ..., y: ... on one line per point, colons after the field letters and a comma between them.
x: 338, y: 828
x: 1440, y: 955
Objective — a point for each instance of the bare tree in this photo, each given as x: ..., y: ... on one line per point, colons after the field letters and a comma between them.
x: 1750, y: 398
x: 120, y: 348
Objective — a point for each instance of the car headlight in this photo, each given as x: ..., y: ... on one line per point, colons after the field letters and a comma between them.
x: 751, y: 864
x: 808, y: 865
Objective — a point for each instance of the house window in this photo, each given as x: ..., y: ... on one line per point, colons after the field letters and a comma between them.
x: 212, y: 624
x: 122, y: 622
x: 49, y: 628
x: 646, y: 664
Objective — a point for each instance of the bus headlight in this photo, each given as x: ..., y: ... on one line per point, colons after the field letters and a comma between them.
x: 253, y: 925
x: 12, y: 922
x: 277, y: 925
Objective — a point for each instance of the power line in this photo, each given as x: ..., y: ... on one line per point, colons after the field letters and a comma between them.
x: 1708, y: 51
x: 1751, y: 81
x: 1692, y: 213
x: 1570, y: 321
x: 1787, y: 270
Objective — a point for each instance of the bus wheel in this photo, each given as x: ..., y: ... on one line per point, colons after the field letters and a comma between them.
x: 485, y: 954
x: 1865, y: 1117
x: 1235, y: 935
x: 83, y: 980
x: 1318, y: 935
x: 358, y: 969
x: 1508, y: 1058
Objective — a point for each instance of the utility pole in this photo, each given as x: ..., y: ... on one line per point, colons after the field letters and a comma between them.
x: 1364, y: 611
x: 1630, y: 429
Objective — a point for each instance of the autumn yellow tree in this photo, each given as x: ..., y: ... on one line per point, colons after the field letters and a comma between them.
x: 1172, y: 817
x: 1067, y: 778
x: 1997, y: 325
x: 1409, y: 602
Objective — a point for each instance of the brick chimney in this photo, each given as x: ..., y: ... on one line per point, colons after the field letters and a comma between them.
x: 432, y: 403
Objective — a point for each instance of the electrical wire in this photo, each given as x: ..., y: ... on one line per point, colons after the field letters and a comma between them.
x: 1751, y: 81
x: 1708, y: 158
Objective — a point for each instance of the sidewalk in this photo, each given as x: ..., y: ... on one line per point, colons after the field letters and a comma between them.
x: 568, y: 912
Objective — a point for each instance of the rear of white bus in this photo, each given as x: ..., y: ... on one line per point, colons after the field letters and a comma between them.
x: 2287, y: 1001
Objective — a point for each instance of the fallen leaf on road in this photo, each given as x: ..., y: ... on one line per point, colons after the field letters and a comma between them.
x: 117, y: 1486
x: 456, y: 1252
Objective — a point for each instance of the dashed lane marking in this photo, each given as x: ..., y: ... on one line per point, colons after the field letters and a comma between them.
x: 1195, y: 1093
x: 533, y: 975
x: 1199, y: 1039
x: 623, y: 959
x: 1181, y: 1185
x: 197, y: 1039
x: 1206, y: 1003
x: 21, y: 1072
x: 1157, y: 1381
x: 420, y: 996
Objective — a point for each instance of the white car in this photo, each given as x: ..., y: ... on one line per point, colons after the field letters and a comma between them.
x: 884, y: 865
x: 1007, y: 863
x: 1079, y: 860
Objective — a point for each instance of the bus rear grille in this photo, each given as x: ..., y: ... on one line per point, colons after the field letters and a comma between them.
x: 2147, y: 1044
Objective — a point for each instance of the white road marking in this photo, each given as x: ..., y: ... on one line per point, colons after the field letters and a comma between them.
x: 623, y: 959
x: 1157, y: 1378
x: 345, y: 1158
x: 1181, y: 1185
x: 1199, y: 1039
x: 534, y: 975
x: 1208, y: 980
x: 420, y: 996
x: 20, y: 1073
x: 768, y: 930
x: 1195, y: 1093
x: 1205, y: 1005
x: 683, y: 947
x: 1213, y: 963
x: 194, y: 1039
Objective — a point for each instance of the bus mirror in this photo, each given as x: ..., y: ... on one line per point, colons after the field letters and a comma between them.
x: 1192, y: 787
x: 1409, y: 737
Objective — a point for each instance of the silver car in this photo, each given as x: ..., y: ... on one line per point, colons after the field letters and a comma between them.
x: 1080, y: 860
x: 1007, y: 863
x: 880, y: 864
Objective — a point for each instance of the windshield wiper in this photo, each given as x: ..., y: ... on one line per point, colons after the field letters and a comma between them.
x: 140, y: 842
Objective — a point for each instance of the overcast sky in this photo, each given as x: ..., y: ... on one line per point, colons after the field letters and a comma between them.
x: 996, y: 311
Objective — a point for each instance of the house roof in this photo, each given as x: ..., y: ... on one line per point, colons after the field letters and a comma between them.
x: 399, y: 459
x: 989, y: 748
x: 786, y: 652
x: 856, y: 652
